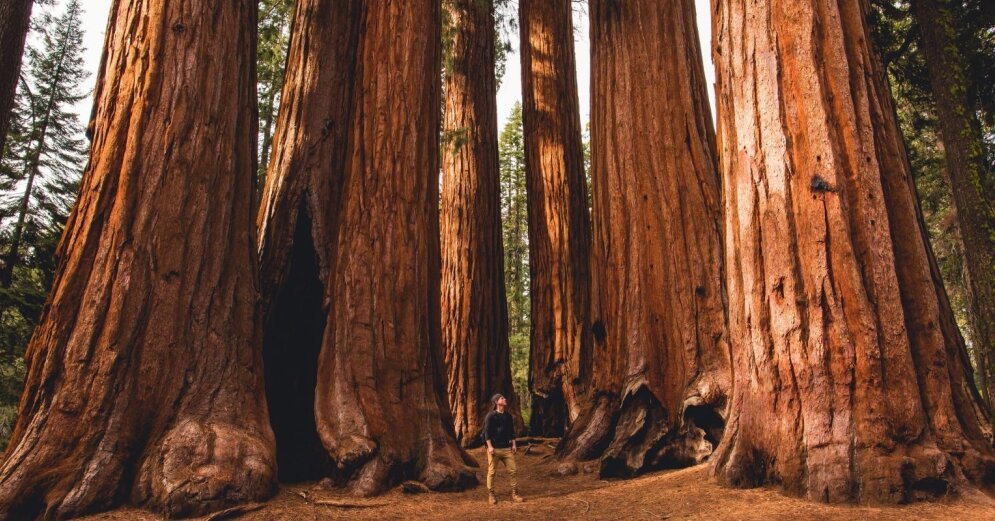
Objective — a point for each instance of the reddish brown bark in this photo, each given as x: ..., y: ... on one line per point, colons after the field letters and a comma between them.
x: 144, y: 380
x: 474, y: 305
x: 351, y: 206
x: 15, y: 20
x: 559, y: 223
x: 851, y: 380
x: 661, y: 361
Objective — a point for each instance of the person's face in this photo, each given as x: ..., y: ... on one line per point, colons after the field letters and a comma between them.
x: 502, y: 402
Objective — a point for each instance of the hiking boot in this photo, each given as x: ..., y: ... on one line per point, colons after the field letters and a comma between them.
x: 491, y: 499
x: 516, y: 498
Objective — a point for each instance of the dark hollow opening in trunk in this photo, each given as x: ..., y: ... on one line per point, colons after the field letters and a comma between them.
x: 706, y: 418
x: 291, y: 345
x: 549, y: 415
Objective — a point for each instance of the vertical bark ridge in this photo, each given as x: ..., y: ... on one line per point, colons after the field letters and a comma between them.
x: 835, y: 300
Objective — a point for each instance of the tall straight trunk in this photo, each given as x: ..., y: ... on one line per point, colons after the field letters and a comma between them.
x: 661, y: 361
x: 350, y: 252
x: 144, y: 376
x: 972, y: 182
x: 15, y: 20
x: 474, y: 304
x: 851, y: 379
x: 559, y: 223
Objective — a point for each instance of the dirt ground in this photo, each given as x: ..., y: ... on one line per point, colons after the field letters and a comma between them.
x: 681, y: 494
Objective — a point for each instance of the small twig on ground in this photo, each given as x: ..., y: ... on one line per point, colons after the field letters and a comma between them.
x: 658, y: 516
x: 346, y: 504
x: 587, y: 506
x: 232, y: 513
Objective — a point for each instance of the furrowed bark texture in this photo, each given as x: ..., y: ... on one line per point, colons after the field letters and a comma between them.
x: 15, y: 20
x: 144, y: 376
x: 851, y: 379
x: 559, y: 222
x: 972, y: 182
x: 474, y: 304
x: 357, y: 149
x: 661, y: 368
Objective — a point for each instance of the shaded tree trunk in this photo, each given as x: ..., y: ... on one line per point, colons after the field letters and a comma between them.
x: 851, y: 379
x: 972, y: 185
x: 144, y: 380
x: 351, y: 206
x: 559, y: 223
x: 15, y: 20
x: 474, y: 304
x: 661, y: 361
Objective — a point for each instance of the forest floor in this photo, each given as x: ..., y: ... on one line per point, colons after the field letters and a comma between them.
x: 681, y: 494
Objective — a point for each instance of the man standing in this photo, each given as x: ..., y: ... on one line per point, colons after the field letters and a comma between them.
x: 499, y: 434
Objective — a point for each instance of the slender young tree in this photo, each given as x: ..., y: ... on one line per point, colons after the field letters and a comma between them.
x: 350, y: 251
x: 971, y: 180
x: 15, y: 20
x: 474, y: 305
x: 661, y: 362
x: 559, y: 222
x: 54, y: 148
x: 851, y: 379
x: 144, y: 382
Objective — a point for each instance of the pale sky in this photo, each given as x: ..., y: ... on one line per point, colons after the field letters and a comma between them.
x: 95, y: 23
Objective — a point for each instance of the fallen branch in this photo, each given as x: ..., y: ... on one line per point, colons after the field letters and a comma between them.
x: 233, y: 512
x: 345, y: 504
x: 587, y: 506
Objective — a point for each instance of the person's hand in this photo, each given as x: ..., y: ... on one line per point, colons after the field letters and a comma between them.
x: 490, y: 450
x: 514, y: 448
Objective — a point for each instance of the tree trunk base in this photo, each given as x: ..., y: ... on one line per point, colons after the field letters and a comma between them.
x: 549, y: 415
x: 634, y: 436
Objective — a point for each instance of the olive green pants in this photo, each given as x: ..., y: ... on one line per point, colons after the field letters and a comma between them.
x: 504, y: 456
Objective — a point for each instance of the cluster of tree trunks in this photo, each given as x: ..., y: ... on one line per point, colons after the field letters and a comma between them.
x: 972, y: 183
x: 15, y: 19
x: 145, y: 381
x: 355, y: 158
x: 559, y: 221
x: 474, y: 304
x: 851, y: 380
x: 661, y: 357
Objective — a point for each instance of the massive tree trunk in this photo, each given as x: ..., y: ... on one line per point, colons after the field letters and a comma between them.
x: 851, y: 379
x: 351, y: 208
x: 559, y: 224
x: 15, y: 20
x: 144, y: 376
x: 972, y: 183
x: 661, y: 361
x: 474, y: 305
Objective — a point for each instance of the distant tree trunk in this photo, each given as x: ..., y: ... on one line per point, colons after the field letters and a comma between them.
x: 972, y: 183
x: 559, y: 223
x: 851, y: 379
x: 661, y: 361
x: 351, y: 208
x: 144, y: 376
x: 474, y: 304
x: 15, y: 20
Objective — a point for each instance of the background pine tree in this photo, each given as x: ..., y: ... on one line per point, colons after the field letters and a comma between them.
x: 271, y: 64
x: 39, y: 181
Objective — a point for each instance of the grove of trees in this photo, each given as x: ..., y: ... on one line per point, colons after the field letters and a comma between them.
x: 314, y: 255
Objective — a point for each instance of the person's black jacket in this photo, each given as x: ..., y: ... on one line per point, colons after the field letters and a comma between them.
x: 499, y: 429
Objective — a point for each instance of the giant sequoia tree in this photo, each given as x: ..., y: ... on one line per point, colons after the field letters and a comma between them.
x: 144, y: 380
x: 15, y: 19
x: 474, y: 307
x: 559, y: 224
x: 350, y: 252
x: 851, y: 379
x: 661, y: 360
